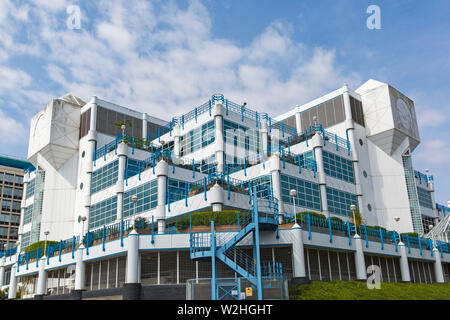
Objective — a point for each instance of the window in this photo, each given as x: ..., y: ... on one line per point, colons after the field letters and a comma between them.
x: 30, y: 189
x: 262, y: 186
x: 17, y: 193
x: 15, y: 219
x: 28, y: 214
x: 19, y: 180
x: 425, y: 198
x: 177, y: 189
x: 426, y: 222
x: 103, y: 213
x: 16, y: 206
x: 7, y: 192
x: 339, y: 202
x: 9, y: 179
x: 241, y: 137
x: 357, y: 111
x: 26, y: 239
x: 106, y: 120
x: 6, y: 205
x: 105, y: 176
x: 308, y: 195
x: 4, y: 218
x: 4, y: 232
x: 147, y: 198
x: 328, y: 113
x: 197, y: 138
x: 338, y: 167
x: 85, y: 123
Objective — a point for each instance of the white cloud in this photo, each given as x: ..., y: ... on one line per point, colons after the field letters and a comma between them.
x: 165, y: 62
x: 429, y: 117
x: 11, y: 130
x: 434, y: 152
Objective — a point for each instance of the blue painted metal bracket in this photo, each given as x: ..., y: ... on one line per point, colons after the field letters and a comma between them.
x: 60, y: 249
x: 121, y: 233
x: 365, y: 233
x: 104, y: 238
x: 381, y: 239
x: 308, y: 219
x: 329, y: 229
x: 152, y: 241
x: 349, y: 234
x: 73, y: 247
x: 420, y: 244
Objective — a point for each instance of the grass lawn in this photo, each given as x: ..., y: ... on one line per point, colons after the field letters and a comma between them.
x: 356, y: 290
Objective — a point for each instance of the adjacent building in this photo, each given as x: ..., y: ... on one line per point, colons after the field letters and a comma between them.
x: 11, y: 185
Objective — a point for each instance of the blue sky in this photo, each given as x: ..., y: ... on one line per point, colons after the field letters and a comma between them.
x: 166, y: 57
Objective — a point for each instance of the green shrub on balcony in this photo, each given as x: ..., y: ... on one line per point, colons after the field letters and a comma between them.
x: 38, y: 244
x: 204, y: 218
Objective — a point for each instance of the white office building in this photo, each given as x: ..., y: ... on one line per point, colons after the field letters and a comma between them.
x: 100, y: 166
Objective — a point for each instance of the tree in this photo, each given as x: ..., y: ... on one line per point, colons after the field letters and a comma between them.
x: 359, y: 220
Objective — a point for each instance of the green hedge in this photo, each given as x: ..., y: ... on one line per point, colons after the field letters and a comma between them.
x: 39, y: 244
x: 205, y: 218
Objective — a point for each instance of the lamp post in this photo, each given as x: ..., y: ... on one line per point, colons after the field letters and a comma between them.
x: 353, y: 210
x: 397, y: 219
x: 46, y: 233
x: 82, y: 219
x: 432, y: 235
x: 293, y: 194
x: 134, y: 199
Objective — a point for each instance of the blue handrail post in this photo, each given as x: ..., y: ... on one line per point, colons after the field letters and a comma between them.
x: 193, y: 168
x: 73, y: 247
x: 153, y: 240
x: 104, y: 238
x: 306, y: 137
x: 121, y: 233
x: 407, y: 241
x: 381, y: 239
x: 186, y: 195
x: 204, y: 187
x: 329, y: 229
x: 213, y: 263
x: 299, y: 164
x: 420, y: 244
x: 168, y: 199
x: 365, y: 233
x: 349, y: 234
x: 308, y: 219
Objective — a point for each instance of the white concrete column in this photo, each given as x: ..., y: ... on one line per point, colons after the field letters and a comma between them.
x: 2, y: 271
x: 13, y: 283
x: 80, y: 268
x: 161, y: 171
x: 298, y: 121
x: 264, y: 137
x: 438, y: 266
x: 93, y: 123
x: 404, y: 267
x: 177, y: 141
x: 122, y: 153
x: 133, y: 257
x: 350, y: 128
x: 216, y: 197
x: 219, y: 140
x: 433, y: 200
x: 42, y: 277
x: 317, y: 143
x: 298, y: 252
x: 360, y: 263
x: 275, y: 169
